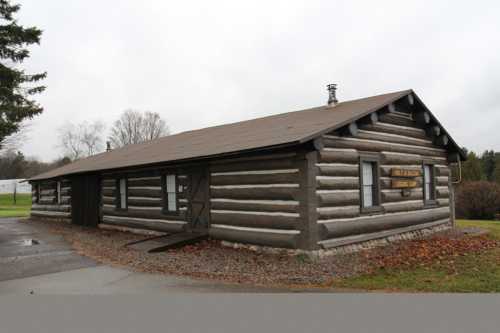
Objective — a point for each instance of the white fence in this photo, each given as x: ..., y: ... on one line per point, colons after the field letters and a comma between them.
x: 8, y: 186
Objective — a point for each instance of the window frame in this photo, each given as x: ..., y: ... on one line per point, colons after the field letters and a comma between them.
x: 58, y: 192
x: 118, y: 196
x: 376, y: 197
x: 433, y: 195
x: 165, y: 209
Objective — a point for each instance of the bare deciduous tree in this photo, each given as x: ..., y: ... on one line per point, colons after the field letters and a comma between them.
x: 136, y: 127
x: 81, y: 140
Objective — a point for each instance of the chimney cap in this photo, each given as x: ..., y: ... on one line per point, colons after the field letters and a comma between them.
x: 332, y: 94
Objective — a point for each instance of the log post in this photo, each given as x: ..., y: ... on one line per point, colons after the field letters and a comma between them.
x: 308, y: 201
x: 452, y: 202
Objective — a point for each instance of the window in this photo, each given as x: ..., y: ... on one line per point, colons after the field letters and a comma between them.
x: 122, y: 193
x: 37, y: 189
x: 369, y: 184
x: 171, y: 193
x: 58, y: 193
x: 429, y: 184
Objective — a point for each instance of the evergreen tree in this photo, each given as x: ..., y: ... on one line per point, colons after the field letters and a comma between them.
x: 497, y: 167
x: 488, y: 164
x: 16, y: 86
x: 471, y: 169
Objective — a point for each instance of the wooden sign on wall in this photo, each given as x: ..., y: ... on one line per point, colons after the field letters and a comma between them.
x: 409, y: 173
x: 403, y: 183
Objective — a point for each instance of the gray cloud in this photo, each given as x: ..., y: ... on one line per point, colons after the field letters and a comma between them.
x: 202, y: 63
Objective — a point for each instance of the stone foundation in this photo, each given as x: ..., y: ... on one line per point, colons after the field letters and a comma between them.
x: 344, y: 249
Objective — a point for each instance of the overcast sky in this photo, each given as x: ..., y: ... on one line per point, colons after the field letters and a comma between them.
x: 203, y: 63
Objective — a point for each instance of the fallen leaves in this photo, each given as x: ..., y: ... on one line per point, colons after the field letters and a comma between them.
x: 437, y: 250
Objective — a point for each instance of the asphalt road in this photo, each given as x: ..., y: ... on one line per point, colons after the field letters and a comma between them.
x: 33, y: 261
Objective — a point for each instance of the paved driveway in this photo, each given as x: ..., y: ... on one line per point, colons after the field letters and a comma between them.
x: 33, y: 261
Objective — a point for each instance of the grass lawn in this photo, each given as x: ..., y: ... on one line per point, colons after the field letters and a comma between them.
x: 471, y: 273
x: 20, y: 209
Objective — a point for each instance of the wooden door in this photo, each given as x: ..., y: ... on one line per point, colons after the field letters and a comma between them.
x: 198, y: 212
x: 85, y: 194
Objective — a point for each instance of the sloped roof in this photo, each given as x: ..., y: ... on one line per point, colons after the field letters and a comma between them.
x: 282, y: 129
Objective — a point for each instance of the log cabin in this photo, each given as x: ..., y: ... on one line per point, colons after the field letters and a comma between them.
x: 339, y: 174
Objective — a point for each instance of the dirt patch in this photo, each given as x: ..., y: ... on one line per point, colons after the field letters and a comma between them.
x: 210, y: 260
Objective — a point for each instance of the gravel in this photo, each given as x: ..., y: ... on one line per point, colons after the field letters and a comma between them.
x: 207, y: 259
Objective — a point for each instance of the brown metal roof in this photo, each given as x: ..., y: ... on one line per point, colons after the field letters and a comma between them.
x: 287, y: 128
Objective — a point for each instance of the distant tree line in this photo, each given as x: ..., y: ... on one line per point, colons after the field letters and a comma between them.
x: 481, y: 167
x: 80, y: 140
x: 478, y: 195
x: 14, y: 165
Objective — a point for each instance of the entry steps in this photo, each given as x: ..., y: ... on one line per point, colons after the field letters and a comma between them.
x: 169, y: 241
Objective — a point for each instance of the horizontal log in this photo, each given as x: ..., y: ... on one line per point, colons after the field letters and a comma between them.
x: 403, y: 206
x: 338, y: 198
x: 148, y: 224
x: 442, y: 192
x: 348, y: 156
x: 442, y: 181
x: 108, y: 182
x: 443, y: 171
x: 332, y: 169
x: 342, y: 241
x: 145, y: 201
x: 108, y: 200
x: 254, y: 236
x: 337, y: 183
x: 378, y: 146
x: 289, y: 163
x: 396, y: 120
x: 40, y: 213
x: 56, y: 208
x: 48, y: 192
x: 47, y: 200
x: 385, y: 170
x: 395, y: 129
x: 397, y: 195
x: 108, y: 192
x: 242, y: 179
x: 286, y: 206
x: 255, y: 219
x: 143, y: 213
x: 145, y: 192
x: 369, y: 224
x: 443, y: 202
x: 65, y: 200
x: 325, y: 213
x: 393, y: 138
x: 144, y: 181
x: 270, y: 193
x: 66, y: 191
x: 393, y: 158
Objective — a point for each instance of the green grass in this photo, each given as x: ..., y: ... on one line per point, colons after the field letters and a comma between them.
x: 475, y: 272
x: 20, y: 209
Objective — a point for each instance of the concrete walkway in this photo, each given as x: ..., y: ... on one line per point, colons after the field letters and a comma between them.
x: 33, y: 261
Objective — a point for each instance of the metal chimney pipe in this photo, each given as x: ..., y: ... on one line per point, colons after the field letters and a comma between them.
x: 332, y: 94
x: 108, y: 146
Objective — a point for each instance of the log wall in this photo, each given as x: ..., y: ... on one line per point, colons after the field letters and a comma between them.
x: 44, y: 200
x: 145, y: 203
x: 400, y: 143
x: 257, y: 201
